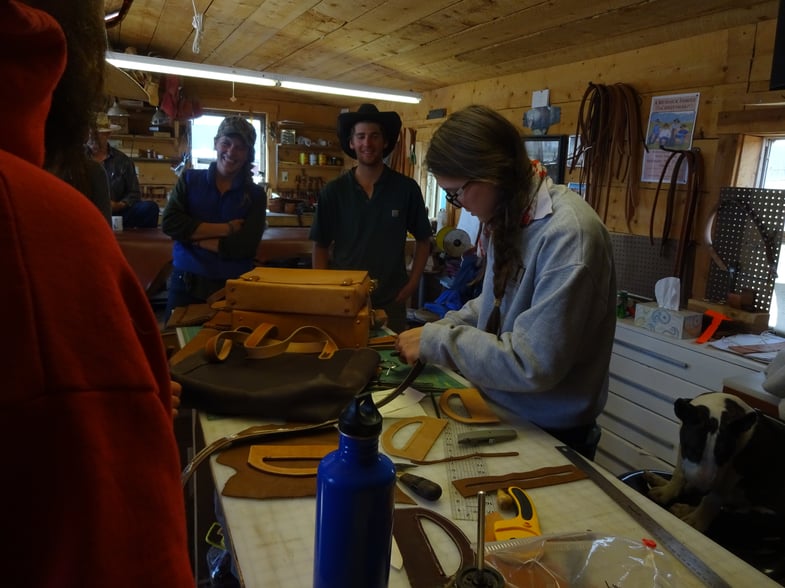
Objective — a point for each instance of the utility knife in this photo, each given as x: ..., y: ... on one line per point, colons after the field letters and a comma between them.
x: 489, y: 436
x: 525, y: 522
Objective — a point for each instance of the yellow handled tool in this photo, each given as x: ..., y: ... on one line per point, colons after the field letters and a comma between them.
x: 525, y: 522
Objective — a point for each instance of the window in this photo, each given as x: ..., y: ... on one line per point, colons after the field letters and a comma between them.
x: 771, y: 175
x: 203, y: 130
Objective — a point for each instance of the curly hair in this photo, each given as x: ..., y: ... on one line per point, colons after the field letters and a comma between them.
x: 80, y: 90
x: 478, y: 143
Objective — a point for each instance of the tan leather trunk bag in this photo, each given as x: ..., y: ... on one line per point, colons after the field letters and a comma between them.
x: 340, y: 293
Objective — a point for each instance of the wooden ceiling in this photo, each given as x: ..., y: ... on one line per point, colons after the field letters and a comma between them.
x: 416, y: 45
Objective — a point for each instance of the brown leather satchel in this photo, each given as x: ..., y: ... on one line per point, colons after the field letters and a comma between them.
x: 304, y: 377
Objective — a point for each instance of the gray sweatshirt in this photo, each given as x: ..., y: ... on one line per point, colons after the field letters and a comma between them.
x: 550, y: 363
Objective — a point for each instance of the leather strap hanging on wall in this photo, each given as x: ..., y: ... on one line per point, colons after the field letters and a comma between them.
x: 693, y: 161
x: 402, y: 158
x: 611, y: 145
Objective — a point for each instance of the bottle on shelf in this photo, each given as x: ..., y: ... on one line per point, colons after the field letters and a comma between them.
x: 355, y: 499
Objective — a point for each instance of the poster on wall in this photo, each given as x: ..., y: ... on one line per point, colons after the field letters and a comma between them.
x: 671, y: 126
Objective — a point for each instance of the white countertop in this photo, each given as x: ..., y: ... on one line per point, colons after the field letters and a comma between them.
x: 273, y: 539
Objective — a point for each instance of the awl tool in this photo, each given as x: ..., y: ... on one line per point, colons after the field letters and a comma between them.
x: 422, y: 487
x: 525, y: 522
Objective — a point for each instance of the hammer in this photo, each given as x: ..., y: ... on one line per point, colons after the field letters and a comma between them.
x: 716, y: 319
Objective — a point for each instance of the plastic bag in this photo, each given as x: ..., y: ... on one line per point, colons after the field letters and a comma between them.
x: 583, y: 560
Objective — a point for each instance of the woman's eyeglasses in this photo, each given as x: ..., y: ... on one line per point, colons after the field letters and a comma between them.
x: 452, y: 197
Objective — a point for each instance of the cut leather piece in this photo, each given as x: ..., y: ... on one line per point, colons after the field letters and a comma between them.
x: 248, y: 482
x: 419, y: 443
x: 474, y: 404
x: 467, y: 456
x: 193, y: 314
x: 270, y: 458
x: 419, y: 559
x: 538, y: 478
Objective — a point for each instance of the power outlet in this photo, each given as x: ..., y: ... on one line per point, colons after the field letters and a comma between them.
x: 284, y: 176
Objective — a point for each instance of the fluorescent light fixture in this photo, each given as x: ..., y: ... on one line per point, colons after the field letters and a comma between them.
x: 306, y: 85
x: 247, y: 76
x: 191, y: 70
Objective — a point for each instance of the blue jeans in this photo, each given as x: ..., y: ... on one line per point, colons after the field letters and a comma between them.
x: 142, y: 215
x: 184, y: 288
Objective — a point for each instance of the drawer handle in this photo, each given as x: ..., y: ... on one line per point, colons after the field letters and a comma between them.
x: 650, y: 353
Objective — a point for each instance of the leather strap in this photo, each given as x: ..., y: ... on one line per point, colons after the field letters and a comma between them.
x: 532, y: 479
x: 260, y: 344
x: 419, y: 559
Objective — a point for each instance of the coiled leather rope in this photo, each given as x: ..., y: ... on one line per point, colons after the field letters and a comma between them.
x: 611, y: 145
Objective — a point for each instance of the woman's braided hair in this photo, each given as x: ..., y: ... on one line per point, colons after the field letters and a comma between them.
x: 480, y: 144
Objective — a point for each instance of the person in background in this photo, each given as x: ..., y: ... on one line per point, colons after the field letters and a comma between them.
x: 538, y: 338
x: 216, y: 217
x: 86, y: 405
x: 365, y: 214
x: 123, y: 184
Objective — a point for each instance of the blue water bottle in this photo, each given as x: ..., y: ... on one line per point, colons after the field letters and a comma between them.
x: 355, y: 499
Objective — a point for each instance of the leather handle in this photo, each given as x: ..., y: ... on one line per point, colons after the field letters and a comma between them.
x: 260, y: 344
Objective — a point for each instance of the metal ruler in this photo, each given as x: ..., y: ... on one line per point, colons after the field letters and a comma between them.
x: 664, y: 538
x: 463, y: 509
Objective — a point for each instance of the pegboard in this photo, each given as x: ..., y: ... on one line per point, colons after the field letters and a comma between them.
x: 747, y: 236
x: 639, y: 264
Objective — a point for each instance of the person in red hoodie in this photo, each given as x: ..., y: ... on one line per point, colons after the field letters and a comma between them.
x: 92, y: 490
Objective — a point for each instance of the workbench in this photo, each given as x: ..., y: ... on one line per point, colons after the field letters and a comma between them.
x: 272, y: 540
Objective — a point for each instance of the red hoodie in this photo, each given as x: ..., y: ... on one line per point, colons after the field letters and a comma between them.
x: 91, y: 493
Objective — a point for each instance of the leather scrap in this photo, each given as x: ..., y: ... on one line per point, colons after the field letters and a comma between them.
x: 269, y: 458
x: 474, y: 404
x: 249, y: 482
x: 419, y: 559
x: 421, y: 441
x: 538, y: 478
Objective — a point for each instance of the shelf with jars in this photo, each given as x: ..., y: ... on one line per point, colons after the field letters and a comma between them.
x: 307, y: 154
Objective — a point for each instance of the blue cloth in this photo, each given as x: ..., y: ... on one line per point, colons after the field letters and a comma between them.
x: 461, y: 289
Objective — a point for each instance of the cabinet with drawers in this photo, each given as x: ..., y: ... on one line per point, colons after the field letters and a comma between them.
x: 648, y: 372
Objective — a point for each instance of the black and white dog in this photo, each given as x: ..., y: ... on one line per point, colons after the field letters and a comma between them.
x: 728, y: 456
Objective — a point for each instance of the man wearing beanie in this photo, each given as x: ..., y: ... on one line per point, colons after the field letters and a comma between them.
x: 216, y: 217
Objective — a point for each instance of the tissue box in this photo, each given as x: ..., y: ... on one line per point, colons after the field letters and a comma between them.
x: 681, y: 324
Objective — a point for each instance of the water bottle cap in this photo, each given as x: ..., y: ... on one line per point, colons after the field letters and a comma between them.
x: 361, y: 418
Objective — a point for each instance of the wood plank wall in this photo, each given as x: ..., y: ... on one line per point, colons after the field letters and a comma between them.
x: 730, y: 69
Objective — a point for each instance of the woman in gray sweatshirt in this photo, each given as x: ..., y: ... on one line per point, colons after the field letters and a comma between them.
x: 538, y: 338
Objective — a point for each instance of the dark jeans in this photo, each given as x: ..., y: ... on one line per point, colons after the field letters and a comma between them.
x: 396, y: 316
x: 584, y: 439
x: 184, y: 288
x: 142, y: 215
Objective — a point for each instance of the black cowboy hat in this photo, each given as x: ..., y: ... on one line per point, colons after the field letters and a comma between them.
x: 389, y: 121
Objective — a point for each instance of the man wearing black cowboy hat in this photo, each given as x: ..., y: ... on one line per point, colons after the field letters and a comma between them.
x: 365, y: 214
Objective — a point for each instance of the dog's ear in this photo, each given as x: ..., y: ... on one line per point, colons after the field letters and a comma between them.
x: 684, y: 410
x: 743, y: 423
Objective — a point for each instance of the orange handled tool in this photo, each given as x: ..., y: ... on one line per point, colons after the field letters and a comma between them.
x: 524, y: 524
x: 716, y: 320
